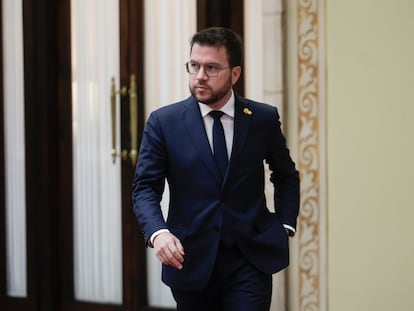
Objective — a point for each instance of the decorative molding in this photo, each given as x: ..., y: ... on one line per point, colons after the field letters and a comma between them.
x: 311, y: 156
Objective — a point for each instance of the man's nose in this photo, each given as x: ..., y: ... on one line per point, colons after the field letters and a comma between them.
x: 201, y: 74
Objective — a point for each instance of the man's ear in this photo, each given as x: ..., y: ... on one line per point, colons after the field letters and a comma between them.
x: 235, y: 75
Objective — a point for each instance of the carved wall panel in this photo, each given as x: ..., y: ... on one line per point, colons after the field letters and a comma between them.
x: 312, y: 268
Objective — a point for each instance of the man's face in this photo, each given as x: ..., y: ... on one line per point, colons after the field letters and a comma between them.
x: 212, y: 91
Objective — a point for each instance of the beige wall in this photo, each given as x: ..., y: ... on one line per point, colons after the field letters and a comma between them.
x: 370, y: 102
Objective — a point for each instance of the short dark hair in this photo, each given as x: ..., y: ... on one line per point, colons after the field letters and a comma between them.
x: 221, y: 37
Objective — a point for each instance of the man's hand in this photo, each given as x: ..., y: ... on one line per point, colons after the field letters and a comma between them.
x: 290, y: 233
x: 169, y: 250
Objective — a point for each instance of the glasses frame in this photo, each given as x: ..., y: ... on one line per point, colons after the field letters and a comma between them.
x: 200, y: 65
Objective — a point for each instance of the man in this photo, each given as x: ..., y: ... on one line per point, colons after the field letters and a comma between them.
x: 220, y: 243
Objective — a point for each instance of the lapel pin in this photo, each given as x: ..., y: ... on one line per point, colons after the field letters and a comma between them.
x: 247, y: 111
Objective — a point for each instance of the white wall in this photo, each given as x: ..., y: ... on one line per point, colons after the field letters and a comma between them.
x: 370, y: 49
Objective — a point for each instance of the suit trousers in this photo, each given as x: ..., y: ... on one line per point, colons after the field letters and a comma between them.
x: 235, y: 285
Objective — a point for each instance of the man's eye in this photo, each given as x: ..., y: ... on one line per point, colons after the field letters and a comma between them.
x: 211, y: 67
x: 194, y: 65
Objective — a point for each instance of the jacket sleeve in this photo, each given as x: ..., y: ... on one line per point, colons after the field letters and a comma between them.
x: 149, y: 180
x: 284, y: 176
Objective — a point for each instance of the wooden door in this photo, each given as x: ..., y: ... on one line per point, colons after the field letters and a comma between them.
x: 133, y: 250
x: 49, y: 155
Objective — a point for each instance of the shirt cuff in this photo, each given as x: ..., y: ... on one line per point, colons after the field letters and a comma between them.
x: 290, y: 228
x: 155, y: 234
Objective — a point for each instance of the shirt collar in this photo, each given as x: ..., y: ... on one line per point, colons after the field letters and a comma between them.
x: 228, y: 108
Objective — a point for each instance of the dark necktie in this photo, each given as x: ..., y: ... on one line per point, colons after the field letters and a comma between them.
x: 219, y: 142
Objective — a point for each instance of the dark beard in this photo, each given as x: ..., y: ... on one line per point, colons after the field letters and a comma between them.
x: 216, y: 96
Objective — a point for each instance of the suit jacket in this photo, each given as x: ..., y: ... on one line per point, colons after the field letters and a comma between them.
x: 202, y: 206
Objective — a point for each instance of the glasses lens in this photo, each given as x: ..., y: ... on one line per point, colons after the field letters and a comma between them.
x: 211, y: 70
x: 192, y: 67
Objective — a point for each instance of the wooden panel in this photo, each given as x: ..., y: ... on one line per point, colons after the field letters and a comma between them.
x: 40, y: 33
x: 225, y: 13
x: 132, y: 62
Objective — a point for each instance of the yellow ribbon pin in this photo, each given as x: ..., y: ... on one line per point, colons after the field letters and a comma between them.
x: 247, y: 111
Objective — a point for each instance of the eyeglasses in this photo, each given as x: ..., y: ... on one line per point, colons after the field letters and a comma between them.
x: 211, y: 70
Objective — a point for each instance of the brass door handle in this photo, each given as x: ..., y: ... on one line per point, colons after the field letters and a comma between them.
x: 133, y: 111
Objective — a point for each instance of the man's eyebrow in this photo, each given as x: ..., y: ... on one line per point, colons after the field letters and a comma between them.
x: 208, y: 63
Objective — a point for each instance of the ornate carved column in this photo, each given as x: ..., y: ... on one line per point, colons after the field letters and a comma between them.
x: 312, y: 237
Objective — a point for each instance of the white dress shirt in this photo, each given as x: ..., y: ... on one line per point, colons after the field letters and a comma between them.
x: 227, y: 120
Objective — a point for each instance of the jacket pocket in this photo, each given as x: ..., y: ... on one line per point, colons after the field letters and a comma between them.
x: 264, y: 223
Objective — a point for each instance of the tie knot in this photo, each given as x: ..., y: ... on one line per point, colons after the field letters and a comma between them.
x: 216, y: 114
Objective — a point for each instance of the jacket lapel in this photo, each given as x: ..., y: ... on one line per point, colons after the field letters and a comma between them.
x: 242, y: 119
x: 195, y: 126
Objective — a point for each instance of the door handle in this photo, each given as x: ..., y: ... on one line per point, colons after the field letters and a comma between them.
x: 133, y: 111
x: 133, y: 123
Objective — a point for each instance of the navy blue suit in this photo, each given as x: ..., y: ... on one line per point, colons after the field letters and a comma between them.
x: 203, y: 207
